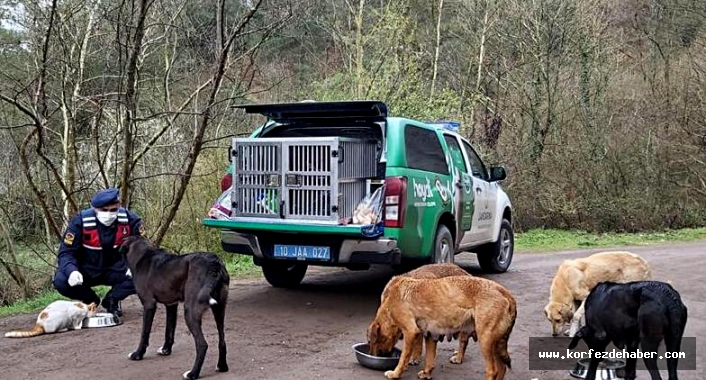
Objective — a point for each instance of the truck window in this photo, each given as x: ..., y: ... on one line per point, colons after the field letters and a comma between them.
x: 477, y: 167
x: 456, y: 154
x: 423, y: 150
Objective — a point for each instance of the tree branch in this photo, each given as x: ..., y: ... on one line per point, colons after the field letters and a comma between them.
x: 197, y: 143
x: 169, y: 123
x: 37, y: 193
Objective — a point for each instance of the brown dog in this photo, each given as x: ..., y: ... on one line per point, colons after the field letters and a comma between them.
x: 444, y: 306
x: 436, y: 271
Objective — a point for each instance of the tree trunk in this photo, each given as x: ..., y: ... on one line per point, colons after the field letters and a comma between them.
x: 437, y: 48
x: 12, y: 268
x: 131, y: 100
x: 359, y: 49
x: 68, y: 167
x: 479, y: 75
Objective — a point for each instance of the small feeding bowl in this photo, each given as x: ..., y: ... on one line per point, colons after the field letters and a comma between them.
x: 380, y: 363
x: 101, y: 320
x: 607, y: 369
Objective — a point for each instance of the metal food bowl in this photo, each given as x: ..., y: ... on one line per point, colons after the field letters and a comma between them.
x: 607, y: 369
x: 101, y: 320
x: 380, y: 363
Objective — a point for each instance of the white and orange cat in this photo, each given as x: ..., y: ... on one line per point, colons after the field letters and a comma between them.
x: 58, y: 316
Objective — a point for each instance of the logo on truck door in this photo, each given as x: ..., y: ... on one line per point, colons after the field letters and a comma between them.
x: 443, y: 191
x: 423, y: 191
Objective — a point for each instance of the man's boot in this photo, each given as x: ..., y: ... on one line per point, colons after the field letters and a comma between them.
x: 112, y: 306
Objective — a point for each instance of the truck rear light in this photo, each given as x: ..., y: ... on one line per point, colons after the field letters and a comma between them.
x: 395, y: 196
x: 226, y: 182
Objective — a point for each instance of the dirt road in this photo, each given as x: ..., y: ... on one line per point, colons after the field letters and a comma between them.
x: 308, y: 333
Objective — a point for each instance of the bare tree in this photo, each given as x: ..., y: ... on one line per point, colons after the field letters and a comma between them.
x: 205, y: 114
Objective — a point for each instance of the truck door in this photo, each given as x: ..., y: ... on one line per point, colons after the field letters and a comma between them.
x: 462, y: 188
x: 484, y: 211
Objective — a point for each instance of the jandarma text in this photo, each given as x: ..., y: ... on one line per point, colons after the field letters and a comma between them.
x: 613, y: 354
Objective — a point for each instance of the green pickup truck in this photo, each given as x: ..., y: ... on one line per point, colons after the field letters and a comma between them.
x: 344, y: 184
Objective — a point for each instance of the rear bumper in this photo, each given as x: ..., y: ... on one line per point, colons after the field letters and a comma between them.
x: 343, y: 251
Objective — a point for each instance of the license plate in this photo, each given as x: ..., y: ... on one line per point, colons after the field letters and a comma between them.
x: 302, y: 252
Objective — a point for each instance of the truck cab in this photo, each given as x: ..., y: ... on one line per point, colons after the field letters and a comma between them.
x: 345, y: 184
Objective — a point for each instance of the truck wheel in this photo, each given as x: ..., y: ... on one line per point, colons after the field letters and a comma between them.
x: 284, y: 274
x: 496, y: 257
x: 444, y: 250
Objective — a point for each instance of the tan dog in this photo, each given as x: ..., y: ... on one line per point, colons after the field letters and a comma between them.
x: 438, y: 271
x: 444, y: 306
x: 575, y: 279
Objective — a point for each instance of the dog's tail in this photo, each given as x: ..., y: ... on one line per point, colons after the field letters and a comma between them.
x: 36, y: 330
x: 216, y: 282
x: 503, y: 355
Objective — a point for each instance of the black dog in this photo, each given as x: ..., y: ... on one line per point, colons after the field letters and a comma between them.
x: 199, y: 280
x: 636, y: 313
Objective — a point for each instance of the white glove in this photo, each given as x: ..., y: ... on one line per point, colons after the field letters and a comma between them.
x: 75, y: 278
x: 128, y: 273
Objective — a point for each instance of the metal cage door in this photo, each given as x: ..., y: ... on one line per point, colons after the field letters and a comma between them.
x: 257, y: 177
x: 310, y: 190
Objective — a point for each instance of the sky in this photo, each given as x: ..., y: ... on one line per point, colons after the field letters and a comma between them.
x: 8, y: 14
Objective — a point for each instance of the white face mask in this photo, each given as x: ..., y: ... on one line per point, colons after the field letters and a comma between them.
x: 106, y: 218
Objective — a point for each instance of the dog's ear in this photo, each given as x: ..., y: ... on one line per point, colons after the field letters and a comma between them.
x: 566, y: 312
x: 575, y: 340
x: 374, y: 332
x: 125, y: 247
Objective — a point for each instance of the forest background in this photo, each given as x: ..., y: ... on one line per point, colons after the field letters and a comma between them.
x: 595, y: 107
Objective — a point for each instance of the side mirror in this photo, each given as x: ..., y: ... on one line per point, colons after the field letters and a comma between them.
x: 497, y: 173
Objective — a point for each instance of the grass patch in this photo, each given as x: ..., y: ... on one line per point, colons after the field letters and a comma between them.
x: 241, y: 266
x: 237, y: 265
x: 554, y: 240
x: 41, y: 301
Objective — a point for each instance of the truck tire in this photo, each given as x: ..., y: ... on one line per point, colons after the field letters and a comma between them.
x: 444, y: 250
x: 496, y: 257
x: 283, y: 274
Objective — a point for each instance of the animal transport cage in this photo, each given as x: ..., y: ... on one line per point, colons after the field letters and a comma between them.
x: 315, y: 179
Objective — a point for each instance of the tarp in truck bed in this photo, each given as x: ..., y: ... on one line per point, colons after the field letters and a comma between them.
x: 368, y: 110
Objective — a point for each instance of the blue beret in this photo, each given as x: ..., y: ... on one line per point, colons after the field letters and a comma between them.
x: 105, y: 197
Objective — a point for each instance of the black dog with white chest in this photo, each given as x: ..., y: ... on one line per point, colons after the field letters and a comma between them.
x: 199, y: 280
x: 642, y: 313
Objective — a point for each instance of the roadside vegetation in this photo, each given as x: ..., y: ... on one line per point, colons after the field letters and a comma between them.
x: 538, y: 240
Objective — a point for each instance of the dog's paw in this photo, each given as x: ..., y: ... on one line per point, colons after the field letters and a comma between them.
x: 391, y: 375
x: 423, y: 374
x: 187, y: 375
x: 222, y: 368
x: 456, y: 358
x: 135, y: 355
x: 415, y: 361
x: 164, y: 351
